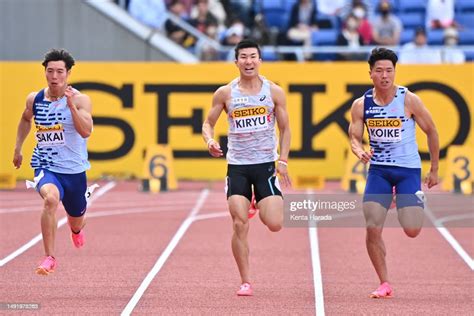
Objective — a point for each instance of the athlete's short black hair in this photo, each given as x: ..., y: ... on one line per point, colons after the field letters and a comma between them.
x: 59, y: 54
x: 247, y: 43
x: 381, y: 53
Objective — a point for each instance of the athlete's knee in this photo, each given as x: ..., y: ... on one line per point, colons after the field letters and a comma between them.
x: 274, y: 227
x: 412, y: 232
x: 374, y: 234
x: 51, y: 202
x: 240, y: 226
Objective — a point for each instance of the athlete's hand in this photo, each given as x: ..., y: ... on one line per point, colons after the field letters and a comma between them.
x: 17, y: 159
x: 70, y: 93
x: 431, y: 179
x: 282, y: 171
x: 365, y: 156
x: 214, y: 149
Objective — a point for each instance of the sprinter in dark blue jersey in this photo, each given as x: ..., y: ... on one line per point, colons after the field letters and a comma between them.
x: 389, y: 113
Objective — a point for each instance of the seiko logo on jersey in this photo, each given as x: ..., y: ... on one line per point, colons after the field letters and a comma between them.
x: 50, y: 135
x: 250, y: 119
x: 386, y: 130
x: 259, y: 110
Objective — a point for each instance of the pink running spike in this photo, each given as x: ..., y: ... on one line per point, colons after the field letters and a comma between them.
x: 383, y: 291
x: 245, y: 290
x: 78, y: 239
x: 47, y: 266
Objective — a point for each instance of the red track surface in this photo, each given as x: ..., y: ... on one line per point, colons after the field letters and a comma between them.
x: 127, y: 231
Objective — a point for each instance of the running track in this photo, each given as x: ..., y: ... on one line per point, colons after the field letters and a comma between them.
x: 169, y: 253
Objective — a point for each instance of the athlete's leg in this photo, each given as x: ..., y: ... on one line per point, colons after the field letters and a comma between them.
x: 49, y: 223
x: 271, y: 212
x: 268, y: 195
x: 238, y: 207
x: 377, y: 198
x: 375, y: 215
x: 409, y: 205
x: 239, y: 194
x: 75, y: 204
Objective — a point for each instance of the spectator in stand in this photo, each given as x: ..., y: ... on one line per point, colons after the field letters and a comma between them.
x: 187, y: 6
x: 451, y: 53
x: 350, y: 38
x: 418, y: 52
x: 235, y: 33
x: 365, y: 28
x: 302, y: 24
x: 214, y: 7
x: 174, y: 32
x: 207, y: 24
x: 440, y: 14
x: 149, y: 12
x: 386, y: 27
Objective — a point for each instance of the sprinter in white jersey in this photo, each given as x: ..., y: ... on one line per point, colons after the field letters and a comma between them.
x: 390, y: 112
x: 63, y: 121
x: 253, y: 105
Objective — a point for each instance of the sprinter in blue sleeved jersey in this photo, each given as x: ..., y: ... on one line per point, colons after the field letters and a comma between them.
x: 63, y: 121
x: 389, y: 113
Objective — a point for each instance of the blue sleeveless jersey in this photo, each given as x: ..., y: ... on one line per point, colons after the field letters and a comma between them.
x: 392, y: 135
x: 59, y: 147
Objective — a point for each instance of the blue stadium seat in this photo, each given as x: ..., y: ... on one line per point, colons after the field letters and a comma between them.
x: 412, y: 20
x: 435, y: 37
x: 464, y: 5
x: 412, y: 5
x: 324, y: 37
x: 466, y: 37
x: 276, y: 18
x: 466, y: 20
x: 469, y: 56
x: 272, y: 4
x: 269, y: 55
x: 407, y: 36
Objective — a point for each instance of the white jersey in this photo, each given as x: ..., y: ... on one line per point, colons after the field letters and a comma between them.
x: 59, y: 147
x: 251, y: 137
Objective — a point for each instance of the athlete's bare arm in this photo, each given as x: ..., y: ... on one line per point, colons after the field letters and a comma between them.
x: 81, y: 110
x: 423, y: 118
x: 281, y: 115
x: 24, y: 127
x: 356, y: 131
x: 218, y: 105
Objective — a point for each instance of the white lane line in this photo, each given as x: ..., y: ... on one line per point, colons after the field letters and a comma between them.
x: 101, y: 191
x: 316, y: 263
x: 165, y: 255
x: 317, y: 276
x: 450, y: 238
x: 211, y: 215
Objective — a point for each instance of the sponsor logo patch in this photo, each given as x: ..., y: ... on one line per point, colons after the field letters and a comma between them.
x: 50, y: 135
x: 386, y: 130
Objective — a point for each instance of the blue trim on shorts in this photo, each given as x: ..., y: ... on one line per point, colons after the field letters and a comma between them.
x: 72, y: 189
x: 380, y: 182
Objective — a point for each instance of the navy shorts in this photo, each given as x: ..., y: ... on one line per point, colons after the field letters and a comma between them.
x: 262, y: 176
x: 72, y: 189
x: 381, y: 180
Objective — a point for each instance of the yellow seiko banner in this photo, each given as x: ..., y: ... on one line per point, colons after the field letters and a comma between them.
x: 140, y: 104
